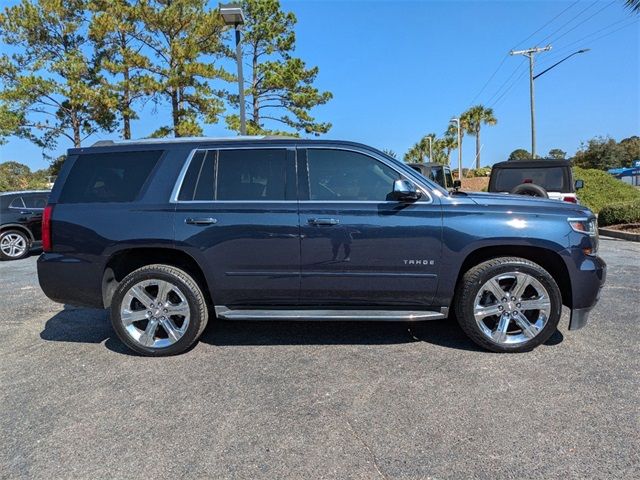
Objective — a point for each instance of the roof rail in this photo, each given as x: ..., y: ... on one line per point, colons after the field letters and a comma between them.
x: 142, y: 141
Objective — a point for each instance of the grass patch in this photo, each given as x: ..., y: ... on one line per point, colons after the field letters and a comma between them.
x: 602, y: 189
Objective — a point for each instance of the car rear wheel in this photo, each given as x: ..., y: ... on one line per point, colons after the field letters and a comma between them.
x: 14, y: 245
x: 508, y: 304
x: 158, y: 310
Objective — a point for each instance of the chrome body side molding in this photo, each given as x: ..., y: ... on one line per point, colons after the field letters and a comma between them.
x: 328, y: 315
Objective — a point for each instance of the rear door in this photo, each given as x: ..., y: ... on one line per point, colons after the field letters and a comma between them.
x: 359, y: 247
x: 34, y: 206
x: 237, y: 214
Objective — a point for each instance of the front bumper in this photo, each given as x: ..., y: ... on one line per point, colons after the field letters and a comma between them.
x: 587, y: 281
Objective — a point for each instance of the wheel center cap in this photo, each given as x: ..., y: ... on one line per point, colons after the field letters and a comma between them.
x: 510, y: 306
x: 157, y: 312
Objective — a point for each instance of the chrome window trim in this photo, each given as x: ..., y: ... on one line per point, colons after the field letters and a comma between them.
x: 375, y: 157
x: 187, y: 163
x: 16, y: 207
x: 178, y: 185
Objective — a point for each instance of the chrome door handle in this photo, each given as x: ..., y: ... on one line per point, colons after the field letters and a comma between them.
x: 323, y: 221
x: 201, y: 221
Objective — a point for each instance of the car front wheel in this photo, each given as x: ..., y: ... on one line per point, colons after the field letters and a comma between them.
x: 158, y: 310
x: 508, y: 304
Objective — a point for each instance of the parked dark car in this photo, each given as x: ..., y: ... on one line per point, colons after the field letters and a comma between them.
x: 436, y: 172
x: 20, y: 222
x: 545, y: 178
x: 171, y: 233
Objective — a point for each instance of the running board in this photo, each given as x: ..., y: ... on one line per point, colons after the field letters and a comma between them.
x: 330, y: 315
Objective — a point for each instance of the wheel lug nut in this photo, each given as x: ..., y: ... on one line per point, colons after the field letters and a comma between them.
x: 504, y: 299
x: 165, y: 310
x: 500, y: 307
x: 513, y: 299
x: 518, y: 305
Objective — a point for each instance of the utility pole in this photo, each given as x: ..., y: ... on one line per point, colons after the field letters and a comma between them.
x: 529, y: 53
x: 430, y: 148
x: 457, y: 121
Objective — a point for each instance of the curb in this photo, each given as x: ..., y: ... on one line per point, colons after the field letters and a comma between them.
x: 607, y: 232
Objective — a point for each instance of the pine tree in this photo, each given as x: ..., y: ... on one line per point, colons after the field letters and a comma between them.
x: 185, y: 39
x: 119, y: 41
x: 280, y: 88
x: 50, y: 87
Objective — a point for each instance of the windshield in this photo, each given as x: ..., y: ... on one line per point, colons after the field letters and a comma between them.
x: 553, y: 179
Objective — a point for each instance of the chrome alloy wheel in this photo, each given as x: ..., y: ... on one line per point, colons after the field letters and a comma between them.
x: 155, y: 313
x: 512, y: 308
x: 13, y: 245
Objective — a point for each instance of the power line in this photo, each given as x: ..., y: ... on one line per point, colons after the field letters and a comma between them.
x: 565, y: 48
x: 515, y: 70
x: 584, y: 21
x: 545, y: 39
x: 504, y: 58
x: 545, y: 25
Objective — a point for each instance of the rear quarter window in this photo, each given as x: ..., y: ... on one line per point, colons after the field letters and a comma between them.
x: 108, y: 177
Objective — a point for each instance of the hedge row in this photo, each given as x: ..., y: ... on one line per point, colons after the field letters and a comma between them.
x: 616, y: 213
x: 602, y: 189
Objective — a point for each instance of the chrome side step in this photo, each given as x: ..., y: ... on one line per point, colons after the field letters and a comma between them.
x: 330, y: 315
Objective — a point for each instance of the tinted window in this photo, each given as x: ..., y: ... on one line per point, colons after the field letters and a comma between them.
x: 35, y: 201
x: 199, y: 181
x: 554, y: 179
x: 251, y: 175
x: 341, y: 175
x: 108, y: 177
x: 16, y: 203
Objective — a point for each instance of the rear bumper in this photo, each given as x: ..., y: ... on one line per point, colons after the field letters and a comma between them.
x: 587, y: 279
x: 72, y: 280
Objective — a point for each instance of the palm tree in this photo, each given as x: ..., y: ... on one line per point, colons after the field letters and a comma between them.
x: 449, y: 141
x: 474, y: 118
x: 634, y: 5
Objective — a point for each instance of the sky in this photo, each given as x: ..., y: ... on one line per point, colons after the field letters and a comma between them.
x: 399, y: 70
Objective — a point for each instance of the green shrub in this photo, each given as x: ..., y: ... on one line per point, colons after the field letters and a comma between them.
x: 602, y: 189
x: 614, y: 214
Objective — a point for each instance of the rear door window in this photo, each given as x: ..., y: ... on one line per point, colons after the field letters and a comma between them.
x: 236, y: 175
x: 108, y: 177
x: 17, y: 203
x: 37, y: 202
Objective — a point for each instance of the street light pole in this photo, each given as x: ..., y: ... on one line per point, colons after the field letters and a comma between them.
x: 457, y: 121
x: 529, y: 53
x: 430, y: 149
x: 233, y: 16
x: 243, y: 119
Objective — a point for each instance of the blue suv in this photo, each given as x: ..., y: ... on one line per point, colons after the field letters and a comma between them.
x: 170, y: 233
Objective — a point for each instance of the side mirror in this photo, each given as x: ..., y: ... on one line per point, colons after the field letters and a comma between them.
x: 579, y: 184
x: 457, y: 184
x: 405, y: 191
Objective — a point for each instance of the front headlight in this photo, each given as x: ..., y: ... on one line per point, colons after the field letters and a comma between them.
x: 584, y: 225
x: 588, y: 226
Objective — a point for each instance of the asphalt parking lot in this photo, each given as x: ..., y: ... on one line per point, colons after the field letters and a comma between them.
x: 313, y: 400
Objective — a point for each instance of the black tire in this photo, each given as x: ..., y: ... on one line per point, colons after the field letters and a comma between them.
x: 193, y: 294
x: 24, y: 238
x: 531, y: 190
x: 476, y: 277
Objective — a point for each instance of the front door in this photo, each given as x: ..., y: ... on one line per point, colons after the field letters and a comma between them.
x: 237, y: 215
x: 359, y: 247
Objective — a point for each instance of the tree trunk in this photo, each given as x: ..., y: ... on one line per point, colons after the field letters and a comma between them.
x: 175, y: 107
x: 126, y: 92
x: 478, y: 148
x: 254, y: 88
x: 75, y: 125
x: 126, y: 100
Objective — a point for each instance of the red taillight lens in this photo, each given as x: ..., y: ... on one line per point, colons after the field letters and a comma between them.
x: 570, y: 199
x: 46, y: 228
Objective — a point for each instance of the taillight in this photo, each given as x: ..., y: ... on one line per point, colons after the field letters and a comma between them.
x: 46, y: 228
x: 570, y: 199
